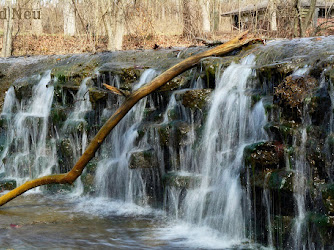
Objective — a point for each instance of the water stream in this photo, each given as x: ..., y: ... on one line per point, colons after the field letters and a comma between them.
x: 26, y: 154
x: 170, y: 175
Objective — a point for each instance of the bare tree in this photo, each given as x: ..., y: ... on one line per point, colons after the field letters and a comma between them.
x: 36, y: 22
x: 273, y: 15
x: 114, y: 22
x: 205, y: 5
x: 190, y: 27
x: 69, y: 18
x: 303, y: 22
x: 8, y: 30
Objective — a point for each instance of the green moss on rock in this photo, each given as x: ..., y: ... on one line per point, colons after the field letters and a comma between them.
x: 195, y: 99
x: 143, y: 159
x: 7, y: 184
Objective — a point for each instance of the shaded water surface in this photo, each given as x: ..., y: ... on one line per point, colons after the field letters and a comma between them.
x: 35, y: 221
x: 64, y: 222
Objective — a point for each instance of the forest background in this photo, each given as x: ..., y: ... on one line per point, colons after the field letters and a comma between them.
x: 46, y: 27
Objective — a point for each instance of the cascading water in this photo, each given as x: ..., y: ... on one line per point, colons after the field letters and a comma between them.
x: 231, y: 124
x: 191, y: 153
x: 75, y: 127
x: 114, y: 179
x: 26, y: 154
x: 229, y: 127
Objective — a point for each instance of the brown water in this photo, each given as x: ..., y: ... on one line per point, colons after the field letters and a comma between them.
x: 35, y: 221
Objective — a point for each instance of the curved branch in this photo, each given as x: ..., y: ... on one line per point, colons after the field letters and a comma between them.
x: 130, y: 101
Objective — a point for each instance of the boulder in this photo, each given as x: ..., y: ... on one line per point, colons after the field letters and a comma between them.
x: 143, y: 159
x: 7, y: 184
x: 290, y: 95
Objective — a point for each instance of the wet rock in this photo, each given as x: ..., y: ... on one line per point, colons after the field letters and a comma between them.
x: 177, y: 82
x: 181, y: 180
x: 66, y: 148
x: 58, y: 115
x: 88, y: 176
x: 195, y: 99
x: 73, y: 72
x: 282, y: 227
x: 322, y: 229
x: 96, y: 95
x: 330, y: 74
x: 212, y: 66
x: 320, y: 107
x: 127, y: 76
x: 315, y: 153
x: 153, y: 115
x: 3, y: 122
x: 174, y: 133
x: 88, y: 181
x: 143, y: 159
x: 7, y: 184
x: 59, y: 188
x: 75, y: 126
x: 290, y: 95
x: 280, y: 132
x: 279, y: 179
x: 328, y: 197
x: 23, y: 91
x: 65, y: 155
x: 23, y: 87
x: 265, y: 155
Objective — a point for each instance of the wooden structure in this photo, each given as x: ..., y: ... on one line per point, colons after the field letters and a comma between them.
x: 262, y: 15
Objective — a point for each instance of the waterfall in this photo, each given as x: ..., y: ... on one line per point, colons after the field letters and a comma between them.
x: 26, y: 154
x: 231, y: 124
x: 114, y: 179
x: 78, y: 137
x: 177, y: 159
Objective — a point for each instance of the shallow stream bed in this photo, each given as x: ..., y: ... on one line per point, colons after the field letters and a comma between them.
x: 64, y: 222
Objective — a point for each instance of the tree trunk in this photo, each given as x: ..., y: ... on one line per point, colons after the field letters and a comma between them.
x: 190, y: 29
x: 130, y: 101
x: 119, y: 27
x: 109, y: 30
x: 7, y: 40
x: 113, y: 20
x: 205, y: 5
x: 273, y: 15
x: 304, y: 22
x: 309, y: 17
x: 69, y: 18
x: 36, y: 23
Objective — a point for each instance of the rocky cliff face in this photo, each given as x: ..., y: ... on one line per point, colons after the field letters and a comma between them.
x: 288, y: 180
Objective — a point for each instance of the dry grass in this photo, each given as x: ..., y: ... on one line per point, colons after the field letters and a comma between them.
x: 59, y: 44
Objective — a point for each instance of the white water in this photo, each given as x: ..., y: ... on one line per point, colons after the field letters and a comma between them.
x: 27, y: 131
x: 300, y: 189
x: 215, y: 207
x: 211, y: 214
x: 78, y: 138
x: 114, y: 179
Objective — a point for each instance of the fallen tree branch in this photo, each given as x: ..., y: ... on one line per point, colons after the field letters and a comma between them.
x: 116, y: 90
x: 130, y: 101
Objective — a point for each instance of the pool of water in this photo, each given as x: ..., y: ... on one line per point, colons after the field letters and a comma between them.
x: 66, y: 222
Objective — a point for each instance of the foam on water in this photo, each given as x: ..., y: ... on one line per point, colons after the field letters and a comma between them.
x: 103, y: 206
x: 26, y: 154
x: 113, y: 177
x: 184, y: 235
